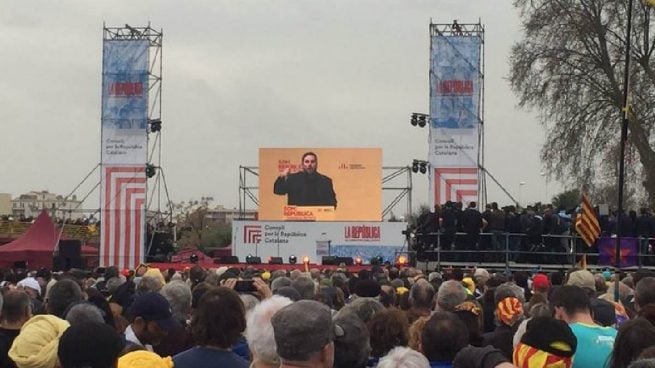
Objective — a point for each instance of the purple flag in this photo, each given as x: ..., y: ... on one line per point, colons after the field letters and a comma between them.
x: 629, y: 251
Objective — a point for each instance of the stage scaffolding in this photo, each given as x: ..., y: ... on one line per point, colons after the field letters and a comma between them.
x: 396, y: 179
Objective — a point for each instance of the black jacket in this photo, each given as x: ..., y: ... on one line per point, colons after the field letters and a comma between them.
x: 306, y: 189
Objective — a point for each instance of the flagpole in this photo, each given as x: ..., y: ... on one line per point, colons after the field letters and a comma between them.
x: 624, y: 135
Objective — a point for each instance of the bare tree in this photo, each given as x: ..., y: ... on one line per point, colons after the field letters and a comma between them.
x: 569, y: 66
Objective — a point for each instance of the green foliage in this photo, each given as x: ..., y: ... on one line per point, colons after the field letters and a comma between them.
x: 568, y: 199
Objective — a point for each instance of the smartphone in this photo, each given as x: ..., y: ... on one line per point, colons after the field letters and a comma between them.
x: 245, y: 286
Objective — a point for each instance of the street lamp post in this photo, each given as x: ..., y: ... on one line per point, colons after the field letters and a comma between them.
x: 545, y: 179
x: 521, y: 184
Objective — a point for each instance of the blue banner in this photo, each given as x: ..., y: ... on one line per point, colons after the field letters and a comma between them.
x: 124, y: 101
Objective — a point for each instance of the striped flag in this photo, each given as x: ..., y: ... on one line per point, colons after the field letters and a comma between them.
x: 586, y: 223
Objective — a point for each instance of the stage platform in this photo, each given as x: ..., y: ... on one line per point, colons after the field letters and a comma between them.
x: 264, y: 266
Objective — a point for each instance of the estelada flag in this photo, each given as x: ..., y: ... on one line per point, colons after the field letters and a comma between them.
x: 586, y: 223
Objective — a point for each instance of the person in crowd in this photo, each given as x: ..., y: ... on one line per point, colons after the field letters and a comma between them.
x: 150, y: 321
x: 61, y: 295
x: 633, y: 338
x: 305, y: 286
x: 83, y: 312
x: 387, y: 329
x: 259, y: 332
x: 472, y: 224
x: 421, y: 300
x: 178, y: 294
x: 307, y: 187
x: 144, y: 359
x: 403, y: 357
x: 216, y: 326
x: 470, y: 313
x: 15, y: 311
x: 90, y: 344
x: 450, y: 294
x: 444, y: 335
x: 415, y: 331
x: 644, y: 293
x: 595, y: 343
x: 32, y: 287
x: 364, y: 308
x: 509, y: 313
x: 352, y: 349
x: 304, y: 335
x: 547, y: 342
x: 37, y: 343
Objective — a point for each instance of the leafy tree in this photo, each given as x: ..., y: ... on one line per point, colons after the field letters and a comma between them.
x: 568, y: 199
x: 569, y: 66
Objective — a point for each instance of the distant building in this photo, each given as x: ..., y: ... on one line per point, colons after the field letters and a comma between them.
x: 222, y: 215
x: 5, y: 204
x: 32, y: 203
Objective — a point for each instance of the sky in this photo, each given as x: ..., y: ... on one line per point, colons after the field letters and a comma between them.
x: 240, y: 75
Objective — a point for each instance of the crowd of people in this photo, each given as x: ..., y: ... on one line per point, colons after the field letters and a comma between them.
x: 379, y: 317
x: 528, y: 234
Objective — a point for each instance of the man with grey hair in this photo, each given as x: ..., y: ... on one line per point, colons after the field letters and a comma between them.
x: 259, y: 332
x: 148, y: 284
x: 304, y: 335
x: 421, y: 300
x: 61, y: 295
x: 84, y: 312
x: 364, y: 308
x: 402, y: 357
x: 305, y: 287
x: 450, y: 294
x: 178, y: 294
x: 509, y: 290
x: 279, y: 283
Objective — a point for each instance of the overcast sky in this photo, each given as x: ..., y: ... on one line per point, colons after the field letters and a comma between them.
x: 239, y: 75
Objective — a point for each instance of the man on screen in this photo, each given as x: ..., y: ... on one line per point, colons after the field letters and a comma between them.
x: 306, y: 187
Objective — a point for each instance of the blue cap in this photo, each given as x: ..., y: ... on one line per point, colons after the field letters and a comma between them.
x: 154, y: 307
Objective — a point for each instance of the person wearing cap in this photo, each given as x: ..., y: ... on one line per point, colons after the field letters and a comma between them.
x: 216, y: 325
x: 583, y: 279
x: 547, y: 342
x: 151, y: 318
x: 304, y: 335
x: 32, y: 287
x: 259, y: 332
x: 595, y: 343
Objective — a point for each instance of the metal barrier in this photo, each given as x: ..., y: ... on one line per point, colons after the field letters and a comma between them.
x: 515, y: 250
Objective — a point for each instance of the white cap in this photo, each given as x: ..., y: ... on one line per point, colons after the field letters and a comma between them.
x: 30, y: 282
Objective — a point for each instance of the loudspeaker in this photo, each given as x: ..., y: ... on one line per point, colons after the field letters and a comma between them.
x: 275, y: 260
x: 347, y: 260
x: 253, y: 260
x: 329, y: 260
x: 60, y: 263
x: 226, y: 260
x: 70, y: 248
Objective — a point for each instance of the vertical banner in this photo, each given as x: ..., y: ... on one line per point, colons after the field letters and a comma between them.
x: 124, y: 143
x: 454, y: 118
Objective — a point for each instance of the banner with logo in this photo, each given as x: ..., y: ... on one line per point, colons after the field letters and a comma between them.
x: 124, y: 143
x: 455, y: 82
x: 124, y: 101
x: 317, y: 239
x: 344, y: 184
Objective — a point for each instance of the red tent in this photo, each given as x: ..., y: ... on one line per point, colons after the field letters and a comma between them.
x: 36, y: 247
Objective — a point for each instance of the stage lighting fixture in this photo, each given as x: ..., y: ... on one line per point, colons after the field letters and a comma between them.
x: 358, y: 261
x: 419, y: 120
x: 377, y: 260
x: 151, y: 170
x: 275, y: 260
x: 292, y: 259
x: 155, y: 125
x: 305, y: 260
x: 423, y: 167
x: 193, y: 258
x: 415, y: 166
x: 250, y: 259
x: 401, y: 261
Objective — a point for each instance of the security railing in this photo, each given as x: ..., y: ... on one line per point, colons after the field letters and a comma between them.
x: 518, y: 249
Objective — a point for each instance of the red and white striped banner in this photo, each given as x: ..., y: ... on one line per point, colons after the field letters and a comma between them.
x: 456, y: 184
x: 123, y: 196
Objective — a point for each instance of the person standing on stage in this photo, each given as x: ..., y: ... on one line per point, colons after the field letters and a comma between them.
x: 307, y: 187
